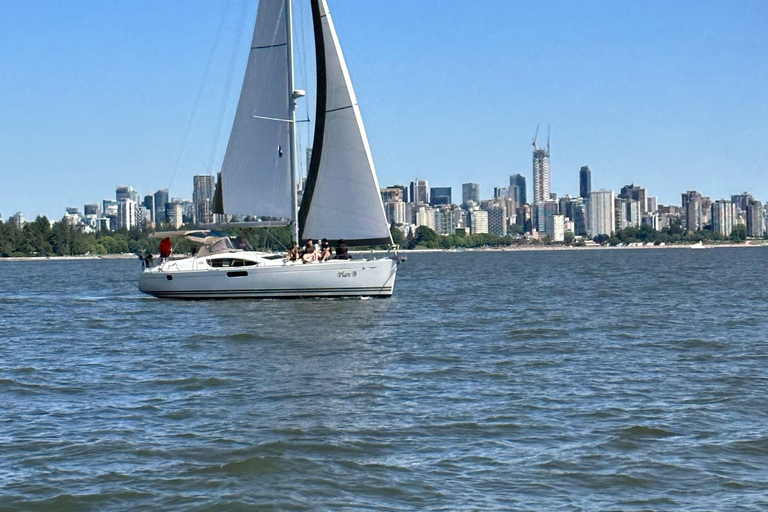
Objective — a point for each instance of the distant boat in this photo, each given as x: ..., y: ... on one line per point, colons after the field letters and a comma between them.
x: 259, y: 176
x: 698, y: 245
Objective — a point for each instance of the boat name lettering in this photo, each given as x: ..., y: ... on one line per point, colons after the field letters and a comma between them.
x: 345, y: 273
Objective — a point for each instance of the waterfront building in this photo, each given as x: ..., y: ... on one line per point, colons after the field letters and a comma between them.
x: 543, y: 211
x: 628, y: 213
x: 497, y: 219
x: 585, y: 182
x: 477, y: 221
x: 445, y: 219
x: 161, y: 202
x: 602, y: 213
x: 691, y: 206
x: 202, y: 198
x: 755, y: 219
x: 420, y: 192
x: 470, y: 193
x: 706, y: 211
x: 542, y: 187
x: 440, y: 196
x: 723, y: 216
x: 524, y: 217
x: 517, y: 190
x: 578, y: 214
x: 555, y: 228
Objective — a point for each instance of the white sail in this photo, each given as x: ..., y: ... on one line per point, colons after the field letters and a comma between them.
x: 346, y: 202
x: 255, y: 175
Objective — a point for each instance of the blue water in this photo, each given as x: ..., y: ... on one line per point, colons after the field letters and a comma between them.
x: 570, y: 380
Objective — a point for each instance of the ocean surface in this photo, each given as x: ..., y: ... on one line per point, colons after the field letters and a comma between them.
x: 553, y: 380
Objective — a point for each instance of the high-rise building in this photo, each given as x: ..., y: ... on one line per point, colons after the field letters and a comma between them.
x: 477, y: 221
x: 517, y: 189
x: 161, y: 200
x: 395, y: 212
x: 542, y: 211
x: 691, y: 217
x: 392, y: 194
x: 755, y: 219
x: 723, y: 216
x: 425, y: 216
x: 602, y: 213
x: 500, y: 192
x: 635, y: 193
x: 585, y: 182
x: 175, y: 214
x: 470, y: 192
x: 445, y: 219
x: 91, y: 209
x: 420, y: 192
x: 126, y: 213
x: 440, y: 195
x: 202, y: 197
x: 497, y: 219
x: 741, y: 201
x: 652, y: 203
x: 149, y: 204
x: 542, y: 186
x: 578, y: 213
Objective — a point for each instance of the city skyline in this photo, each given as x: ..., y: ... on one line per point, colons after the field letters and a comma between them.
x: 663, y: 94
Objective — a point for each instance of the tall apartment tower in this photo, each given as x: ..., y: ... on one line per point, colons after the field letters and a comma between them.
x: 602, y: 212
x: 517, y: 189
x: 420, y: 191
x: 585, y: 182
x: 691, y: 202
x: 202, y: 197
x: 470, y: 192
x: 542, y: 186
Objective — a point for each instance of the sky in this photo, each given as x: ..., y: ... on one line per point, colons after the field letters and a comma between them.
x: 669, y: 95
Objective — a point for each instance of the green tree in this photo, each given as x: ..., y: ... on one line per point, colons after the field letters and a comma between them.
x: 739, y: 233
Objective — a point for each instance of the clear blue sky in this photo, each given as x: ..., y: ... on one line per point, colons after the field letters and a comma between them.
x: 670, y: 95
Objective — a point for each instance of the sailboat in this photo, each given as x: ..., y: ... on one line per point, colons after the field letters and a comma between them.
x: 341, y: 199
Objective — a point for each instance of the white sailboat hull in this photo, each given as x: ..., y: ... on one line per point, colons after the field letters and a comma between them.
x: 192, y: 278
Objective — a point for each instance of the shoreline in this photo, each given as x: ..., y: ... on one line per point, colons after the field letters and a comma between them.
x: 125, y: 256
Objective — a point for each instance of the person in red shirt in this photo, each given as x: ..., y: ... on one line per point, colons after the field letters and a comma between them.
x: 166, y: 248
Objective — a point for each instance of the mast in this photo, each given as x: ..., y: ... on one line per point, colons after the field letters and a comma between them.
x: 292, y: 155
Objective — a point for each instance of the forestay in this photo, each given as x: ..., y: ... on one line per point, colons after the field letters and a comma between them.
x: 345, y: 201
x: 255, y: 174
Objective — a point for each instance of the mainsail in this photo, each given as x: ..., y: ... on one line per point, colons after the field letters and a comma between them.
x: 255, y: 174
x: 342, y: 198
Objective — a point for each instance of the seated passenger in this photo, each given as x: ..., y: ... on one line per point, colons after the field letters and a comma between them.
x: 342, y: 251
x: 309, y: 254
x: 325, y: 250
x: 293, y: 252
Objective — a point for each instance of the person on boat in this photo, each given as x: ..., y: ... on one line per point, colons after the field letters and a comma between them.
x: 342, y: 252
x: 166, y: 248
x: 325, y: 250
x: 309, y: 254
x: 293, y: 252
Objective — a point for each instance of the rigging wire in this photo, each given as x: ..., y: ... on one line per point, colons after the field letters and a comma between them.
x: 203, y: 82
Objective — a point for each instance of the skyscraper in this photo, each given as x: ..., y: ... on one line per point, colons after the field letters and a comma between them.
x: 470, y: 192
x: 691, y: 202
x: 723, y: 216
x: 517, y: 189
x: 420, y: 191
x: 602, y: 212
x: 585, y: 182
x: 755, y: 219
x: 542, y: 186
x: 636, y: 193
x: 202, y: 197
x: 161, y: 199
x: 440, y: 195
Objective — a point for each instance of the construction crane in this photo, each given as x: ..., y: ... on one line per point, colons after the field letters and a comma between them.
x: 535, y: 136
